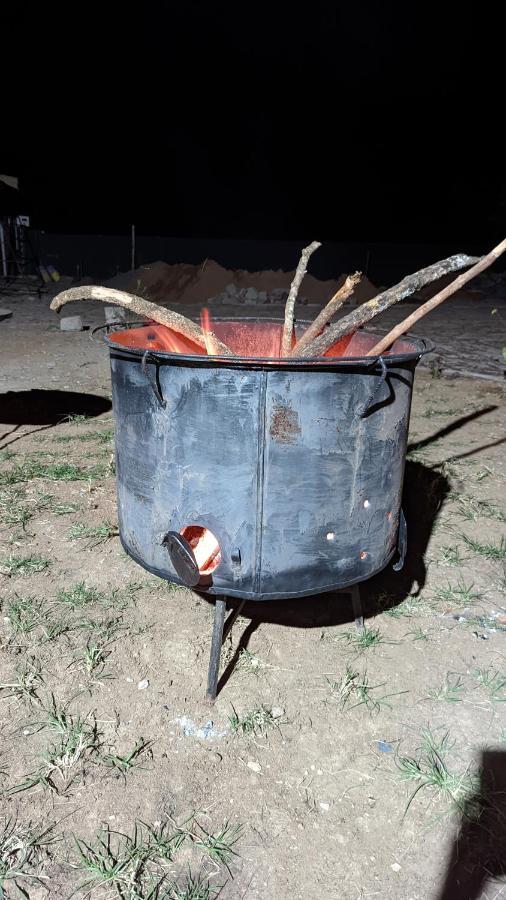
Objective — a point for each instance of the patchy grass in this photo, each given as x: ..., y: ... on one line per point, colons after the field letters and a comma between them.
x: 353, y: 689
x: 25, y: 614
x: 450, y: 556
x: 432, y: 413
x: 134, y: 866
x: 105, y: 436
x: 362, y: 639
x: 28, y: 681
x: 406, y: 608
x: 23, y: 852
x: 220, y: 846
x: 92, y: 660
x: 78, y: 596
x: 76, y: 419
x: 257, y: 721
x: 132, y: 760
x: 472, y: 509
x: 460, y: 594
x: 418, y: 634
x: 32, y: 468
x: 93, y: 534
x: 452, y: 689
x: 46, y: 501
x: 429, y: 769
x: 492, y: 681
x: 488, y: 551
x: 77, y: 743
x: 23, y: 565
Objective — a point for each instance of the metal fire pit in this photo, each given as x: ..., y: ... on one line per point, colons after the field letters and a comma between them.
x: 294, y: 467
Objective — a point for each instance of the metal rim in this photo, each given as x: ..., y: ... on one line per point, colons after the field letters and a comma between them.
x: 422, y: 346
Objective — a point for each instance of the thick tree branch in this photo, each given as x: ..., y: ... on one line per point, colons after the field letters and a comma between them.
x: 145, y: 308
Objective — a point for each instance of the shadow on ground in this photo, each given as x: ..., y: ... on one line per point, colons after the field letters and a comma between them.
x: 425, y: 491
x: 46, y: 409
x: 424, y: 494
x: 479, y: 851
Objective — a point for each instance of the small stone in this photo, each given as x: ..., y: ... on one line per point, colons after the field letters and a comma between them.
x: 5, y: 314
x: 254, y: 765
x: 396, y: 867
x: 324, y: 806
x: 251, y: 295
x: 143, y: 684
x: 130, y: 680
x: 51, y: 365
x: 114, y: 314
x: 277, y: 712
x: 231, y: 289
x: 71, y: 323
x: 263, y: 297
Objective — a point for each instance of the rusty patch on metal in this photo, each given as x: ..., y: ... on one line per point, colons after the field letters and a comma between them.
x: 284, y: 424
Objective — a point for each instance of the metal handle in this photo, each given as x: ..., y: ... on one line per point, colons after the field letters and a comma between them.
x: 153, y: 381
x: 379, y: 384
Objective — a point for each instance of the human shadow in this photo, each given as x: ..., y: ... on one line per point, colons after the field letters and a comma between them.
x: 479, y: 852
x: 45, y: 409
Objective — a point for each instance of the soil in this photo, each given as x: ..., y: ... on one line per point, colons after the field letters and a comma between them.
x: 185, y: 283
x: 323, y: 793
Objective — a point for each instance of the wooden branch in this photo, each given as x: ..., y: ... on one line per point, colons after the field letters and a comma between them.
x: 327, y: 312
x: 144, y: 308
x: 378, y: 304
x: 286, y: 339
x: 447, y: 291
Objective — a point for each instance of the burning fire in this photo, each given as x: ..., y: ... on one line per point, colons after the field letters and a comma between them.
x: 255, y: 339
x: 205, y: 324
x: 206, y: 548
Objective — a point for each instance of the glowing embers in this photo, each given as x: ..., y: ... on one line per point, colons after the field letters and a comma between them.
x: 206, y: 548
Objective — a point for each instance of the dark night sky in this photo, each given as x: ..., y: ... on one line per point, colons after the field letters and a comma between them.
x: 357, y: 121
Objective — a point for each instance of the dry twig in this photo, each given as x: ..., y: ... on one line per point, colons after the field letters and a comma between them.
x: 286, y: 340
x: 327, y: 312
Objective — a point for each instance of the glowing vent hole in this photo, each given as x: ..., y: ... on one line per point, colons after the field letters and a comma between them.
x: 206, y: 548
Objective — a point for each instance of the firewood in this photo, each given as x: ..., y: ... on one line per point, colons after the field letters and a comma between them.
x: 144, y: 308
x: 367, y: 311
x: 327, y: 312
x: 286, y: 339
x: 450, y: 289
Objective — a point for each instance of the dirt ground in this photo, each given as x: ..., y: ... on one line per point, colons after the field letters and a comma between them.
x: 334, y: 764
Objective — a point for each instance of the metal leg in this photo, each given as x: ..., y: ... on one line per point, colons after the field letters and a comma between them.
x: 217, y: 640
x: 220, y: 631
x: 357, y: 607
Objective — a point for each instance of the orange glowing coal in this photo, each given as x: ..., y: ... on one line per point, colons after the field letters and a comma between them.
x: 260, y: 339
x: 206, y: 548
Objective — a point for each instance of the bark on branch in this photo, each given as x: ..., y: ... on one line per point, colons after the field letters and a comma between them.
x: 286, y: 339
x: 367, y: 311
x: 447, y: 291
x: 327, y: 313
x: 144, y: 308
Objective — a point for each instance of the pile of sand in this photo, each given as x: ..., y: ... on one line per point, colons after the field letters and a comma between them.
x: 188, y: 284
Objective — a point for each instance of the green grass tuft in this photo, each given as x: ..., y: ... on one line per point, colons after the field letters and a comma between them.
x: 258, y: 721
x: 93, y: 534
x: 23, y: 565
x: 489, y: 551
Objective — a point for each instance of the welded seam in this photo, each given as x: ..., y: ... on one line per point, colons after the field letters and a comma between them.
x: 262, y: 429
